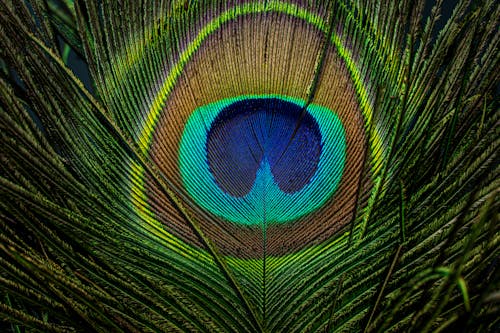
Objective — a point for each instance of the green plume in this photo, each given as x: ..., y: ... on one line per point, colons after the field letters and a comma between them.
x: 249, y: 166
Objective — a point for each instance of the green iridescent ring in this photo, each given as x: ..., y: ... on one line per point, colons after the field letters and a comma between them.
x: 253, y: 208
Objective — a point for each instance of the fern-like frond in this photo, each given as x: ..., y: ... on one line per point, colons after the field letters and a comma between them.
x: 249, y: 166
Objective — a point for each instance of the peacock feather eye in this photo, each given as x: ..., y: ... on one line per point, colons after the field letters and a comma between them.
x: 264, y: 156
x: 262, y: 160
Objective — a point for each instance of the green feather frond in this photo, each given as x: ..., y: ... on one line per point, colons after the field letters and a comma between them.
x: 97, y: 235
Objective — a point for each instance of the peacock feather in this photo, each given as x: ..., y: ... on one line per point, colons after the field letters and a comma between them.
x: 249, y: 166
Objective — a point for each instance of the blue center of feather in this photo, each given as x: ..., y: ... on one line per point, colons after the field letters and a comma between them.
x: 250, y: 133
x: 262, y: 159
